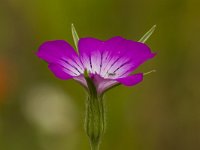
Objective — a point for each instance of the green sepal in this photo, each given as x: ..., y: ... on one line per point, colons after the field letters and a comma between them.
x: 75, y: 36
x: 147, y: 34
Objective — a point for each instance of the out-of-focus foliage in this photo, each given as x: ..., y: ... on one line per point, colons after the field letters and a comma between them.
x: 41, y: 112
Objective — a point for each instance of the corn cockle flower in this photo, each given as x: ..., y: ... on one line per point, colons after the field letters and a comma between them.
x: 98, y: 66
x: 107, y: 62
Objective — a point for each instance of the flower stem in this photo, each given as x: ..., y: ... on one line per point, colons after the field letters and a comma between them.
x: 94, y: 122
x: 95, y: 115
x: 94, y: 146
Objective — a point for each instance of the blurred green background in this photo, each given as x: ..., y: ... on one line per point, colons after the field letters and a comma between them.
x: 41, y: 112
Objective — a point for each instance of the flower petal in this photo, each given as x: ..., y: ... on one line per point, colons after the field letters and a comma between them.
x: 125, y: 57
x: 59, y: 52
x: 90, y: 50
x: 59, y: 72
x: 114, y: 58
x: 81, y: 80
x: 102, y: 84
x: 131, y: 80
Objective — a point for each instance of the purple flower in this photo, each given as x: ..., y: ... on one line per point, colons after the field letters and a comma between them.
x: 107, y: 63
x: 98, y: 66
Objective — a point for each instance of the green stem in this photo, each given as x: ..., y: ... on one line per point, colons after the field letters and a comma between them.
x: 94, y: 146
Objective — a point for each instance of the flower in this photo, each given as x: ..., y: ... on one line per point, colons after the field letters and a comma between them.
x: 98, y: 66
x: 107, y: 63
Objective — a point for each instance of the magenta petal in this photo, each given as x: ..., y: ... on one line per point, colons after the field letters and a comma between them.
x: 101, y: 83
x: 59, y: 52
x: 81, y: 80
x: 126, y: 56
x: 52, y: 51
x: 114, y: 58
x: 59, y: 72
x: 131, y: 80
x: 90, y: 50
